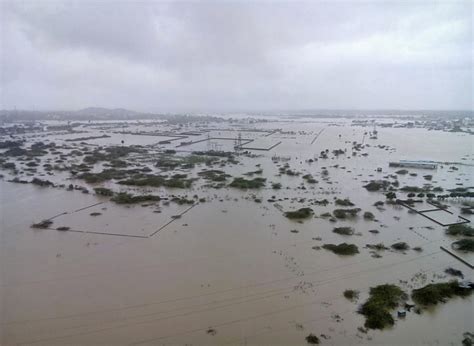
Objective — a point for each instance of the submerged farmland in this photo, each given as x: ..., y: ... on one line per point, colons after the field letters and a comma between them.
x: 287, y: 230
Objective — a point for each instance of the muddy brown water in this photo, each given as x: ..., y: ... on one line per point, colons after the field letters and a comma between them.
x: 230, y: 271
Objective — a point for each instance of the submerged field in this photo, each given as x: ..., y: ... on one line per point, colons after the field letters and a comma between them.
x: 233, y: 232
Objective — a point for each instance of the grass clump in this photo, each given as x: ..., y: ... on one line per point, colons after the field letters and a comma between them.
x: 462, y: 229
x: 433, y: 294
x: 302, y: 213
x: 377, y: 308
x: 342, y: 249
x: 242, y: 183
x: 344, y: 230
x: 466, y: 245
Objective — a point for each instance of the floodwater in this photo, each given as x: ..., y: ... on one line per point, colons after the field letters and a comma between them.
x: 230, y: 270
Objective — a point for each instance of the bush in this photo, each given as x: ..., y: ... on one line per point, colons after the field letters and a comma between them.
x: 126, y: 198
x: 351, y: 294
x: 344, y: 230
x: 302, y: 213
x: 464, y: 245
x: 43, y: 224
x: 176, y: 181
x: 103, y: 191
x: 382, y: 300
x: 242, y: 183
x: 343, y: 213
x: 463, y: 230
x: 312, y: 339
x: 276, y: 186
x: 344, y: 202
x: 433, y: 294
x: 342, y: 249
x: 401, y: 246
x: 369, y: 216
x: 376, y: 185
x: 309, y: 179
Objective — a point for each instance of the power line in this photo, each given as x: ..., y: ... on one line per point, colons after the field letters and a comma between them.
x: 210, y: 309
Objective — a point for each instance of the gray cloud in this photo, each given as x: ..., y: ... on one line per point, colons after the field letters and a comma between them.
x: 173, y: 56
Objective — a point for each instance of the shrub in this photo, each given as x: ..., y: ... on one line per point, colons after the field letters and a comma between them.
x: 400, y: 246
x: 344, y: 202
x: 344, y: 230
x: 43, y: 224
x: 464, y: 245
x: 433, y: 294
x: 342, y: 249
x: 382, y: 300
x: 103, y: 191
x: 242, y: 183
x: 462, y: 229
x: 351, y: 294
x: 343, y: 213
x: 369, y: 216
x: 126, y: 198
x: 276, y: 186
x: 302, y: 213
x: 312, y: 339
x: 376, y: 185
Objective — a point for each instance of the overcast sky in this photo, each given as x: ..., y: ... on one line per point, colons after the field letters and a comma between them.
x: 249, y: 55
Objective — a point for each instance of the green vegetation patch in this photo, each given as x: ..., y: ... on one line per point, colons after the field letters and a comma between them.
x: 344, y: 202
x: 108, y: 174
x: 376, y: 185
x: 377, y: 308
x: 42, y: 224
x: 242, y: 183
x: 126, y: 198
x: 345, y: 213
x: 309, y: 179
x: 110, y: 154
x: 351, y: 294
x: 170, y: 161
x: 176, y: 181
x: 433, y: 294
x: 302, y: 213
x: 344, y: 230
x: 464, y: 245
x: 312, y: 339
x: 401, y: 246
x: 214, y: 175
x: 462, y: 229
x: 342, y: 249
x: 102, y: 191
